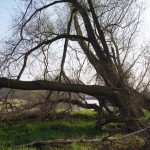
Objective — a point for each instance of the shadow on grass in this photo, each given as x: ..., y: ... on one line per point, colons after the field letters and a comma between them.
x: 21, y: 132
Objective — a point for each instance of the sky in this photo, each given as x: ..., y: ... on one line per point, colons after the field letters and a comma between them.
x: 7, y: 9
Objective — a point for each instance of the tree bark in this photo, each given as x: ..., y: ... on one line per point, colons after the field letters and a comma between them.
x: 56, y: 86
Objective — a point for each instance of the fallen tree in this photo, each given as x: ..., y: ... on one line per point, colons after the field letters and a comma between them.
x: 91, y: 37
x: 57, y: 86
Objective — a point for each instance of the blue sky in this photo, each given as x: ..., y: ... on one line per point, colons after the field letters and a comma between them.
x: 6, y: 8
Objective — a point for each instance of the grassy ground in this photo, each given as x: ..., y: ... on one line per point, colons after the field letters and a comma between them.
x: 78, y: 125
x: 145, y: 119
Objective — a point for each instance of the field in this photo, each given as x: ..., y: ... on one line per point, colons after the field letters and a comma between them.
x: 77, y: 125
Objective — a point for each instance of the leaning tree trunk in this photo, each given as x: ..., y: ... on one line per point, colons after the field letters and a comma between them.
x: 128, y: 103
x: 129, y: 109
x: 108, y: 67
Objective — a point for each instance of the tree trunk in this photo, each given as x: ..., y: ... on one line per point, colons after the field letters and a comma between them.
x: 112, y: 73
x: 99, y: 114
x: 130, y: 110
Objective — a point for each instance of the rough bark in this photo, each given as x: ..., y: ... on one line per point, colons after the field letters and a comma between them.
x: 56, y: 86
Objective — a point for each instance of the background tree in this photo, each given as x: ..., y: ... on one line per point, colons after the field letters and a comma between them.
x: 85, y: 47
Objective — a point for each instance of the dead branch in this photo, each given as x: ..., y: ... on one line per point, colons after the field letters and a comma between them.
x: 69, y: 141
x: 80, y: 104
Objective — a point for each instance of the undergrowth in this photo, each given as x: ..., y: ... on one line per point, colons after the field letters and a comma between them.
x: 78, y: 125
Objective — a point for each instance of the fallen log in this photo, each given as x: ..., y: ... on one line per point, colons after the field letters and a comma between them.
x: 70, y: 141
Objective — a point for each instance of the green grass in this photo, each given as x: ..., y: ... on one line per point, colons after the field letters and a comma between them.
x: 78, y: 125
x: 90, y: 113
x: 146, y: 118
x: 16, y: 133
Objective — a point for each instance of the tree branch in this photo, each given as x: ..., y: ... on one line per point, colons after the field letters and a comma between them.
x: 56, y: 86
x: 69, y: 141
x: 79, y: 103
x: 46, y: 42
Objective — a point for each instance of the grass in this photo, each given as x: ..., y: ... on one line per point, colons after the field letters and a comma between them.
x: 78, y: 125
x: 16, y: 133
x: 146, y: 118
